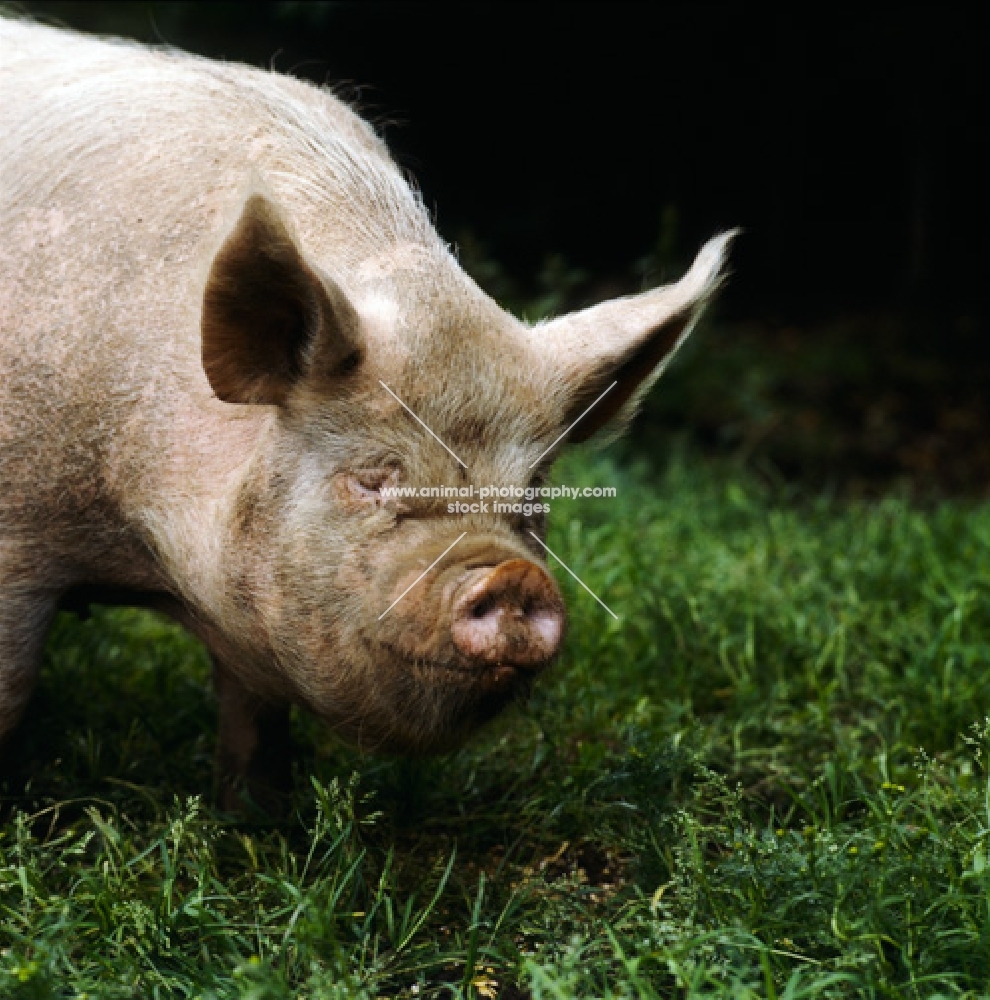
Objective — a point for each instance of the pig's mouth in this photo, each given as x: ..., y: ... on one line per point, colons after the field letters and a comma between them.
x: 488, y: 677
x: 452, y: 699
x: 454, y: 655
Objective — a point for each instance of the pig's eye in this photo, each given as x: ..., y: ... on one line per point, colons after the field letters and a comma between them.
x: 360, y: 489
x: 372, y: 480
x: 368, y: 483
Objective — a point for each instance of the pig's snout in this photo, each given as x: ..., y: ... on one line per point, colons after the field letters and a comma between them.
x: 510, y: 614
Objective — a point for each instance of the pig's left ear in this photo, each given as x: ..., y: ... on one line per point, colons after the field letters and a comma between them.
x: 269, y: 319
x: 629, y: 342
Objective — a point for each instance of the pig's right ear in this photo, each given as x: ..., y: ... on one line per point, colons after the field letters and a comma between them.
x: 269, y: 320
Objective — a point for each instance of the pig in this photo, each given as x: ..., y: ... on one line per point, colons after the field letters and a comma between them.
x: 227, y: 323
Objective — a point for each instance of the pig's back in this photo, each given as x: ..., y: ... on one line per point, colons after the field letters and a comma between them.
x: 120, y: 166
x: 120, y: 169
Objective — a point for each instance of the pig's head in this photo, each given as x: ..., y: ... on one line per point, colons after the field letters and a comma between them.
x: 401, y: 623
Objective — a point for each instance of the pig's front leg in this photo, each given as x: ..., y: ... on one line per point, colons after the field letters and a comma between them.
x: 25, y: 617
x: 254, y: 751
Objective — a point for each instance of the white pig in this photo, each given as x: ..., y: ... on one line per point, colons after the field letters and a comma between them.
x: 209, y: 274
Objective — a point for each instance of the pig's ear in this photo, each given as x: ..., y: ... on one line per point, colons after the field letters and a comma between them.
x: 269, y: 320
x: 628, y: 342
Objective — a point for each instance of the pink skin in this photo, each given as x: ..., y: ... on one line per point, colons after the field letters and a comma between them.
x: 508, y: 616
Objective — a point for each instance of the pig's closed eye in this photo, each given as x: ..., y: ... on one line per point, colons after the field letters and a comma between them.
x: 368, y: 483
x: 363, y: 489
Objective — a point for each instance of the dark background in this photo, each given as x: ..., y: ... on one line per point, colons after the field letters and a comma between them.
x: 850, y: 147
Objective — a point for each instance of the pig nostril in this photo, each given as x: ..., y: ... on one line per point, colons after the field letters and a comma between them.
x: 483, y: 608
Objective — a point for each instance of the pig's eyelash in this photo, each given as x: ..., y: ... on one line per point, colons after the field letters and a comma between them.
x: 369, y: 481
x: 364, y: 485
x: 372, y: 480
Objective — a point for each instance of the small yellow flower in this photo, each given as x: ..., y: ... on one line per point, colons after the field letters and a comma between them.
x: 485, y: 985
x: 25, y: 973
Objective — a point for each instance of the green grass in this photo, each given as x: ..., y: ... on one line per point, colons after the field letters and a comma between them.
x: 768, y: 779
